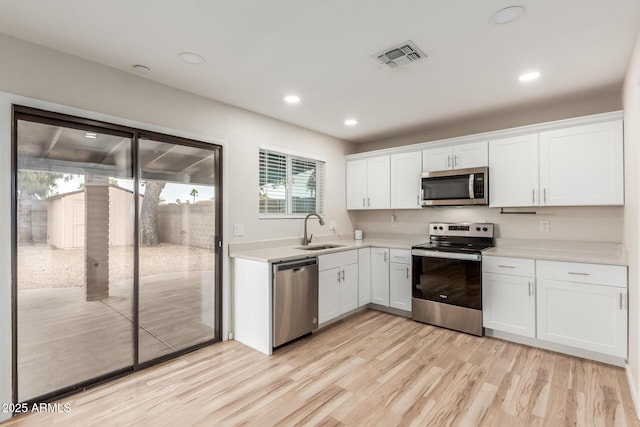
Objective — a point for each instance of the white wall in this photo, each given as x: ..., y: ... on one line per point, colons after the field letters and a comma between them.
x: 75, y: 86
x: 599, y: 100
x: 566, y: 223
x: 631, y: 99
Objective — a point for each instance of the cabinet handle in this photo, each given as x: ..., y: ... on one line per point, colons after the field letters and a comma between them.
x: 529, y: 288
x: 621, y: 301
x: 418, y: 200
x: 544, y: 192
x: 533, y: 196
x: 368, y: 202
x: 506, y: 266
x: 363, y: 203
x: 338, y: 277
x: 342, y: 274
x: 455, y: 160
x: 448, y: 161
x: 579, y: 274
x: 385, y: 257
x: 407, y: 272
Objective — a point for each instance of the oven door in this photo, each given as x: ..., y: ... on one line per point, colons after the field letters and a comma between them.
x: 448, y: 277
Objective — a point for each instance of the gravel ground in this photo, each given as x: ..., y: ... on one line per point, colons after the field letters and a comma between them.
x: 42, y: 266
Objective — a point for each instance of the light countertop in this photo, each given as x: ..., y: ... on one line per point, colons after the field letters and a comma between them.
x: 589, y: 252
x: 552, y: 250
x: 277, y: 252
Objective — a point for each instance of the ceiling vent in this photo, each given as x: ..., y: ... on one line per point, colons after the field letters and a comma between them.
x: 402, y: 54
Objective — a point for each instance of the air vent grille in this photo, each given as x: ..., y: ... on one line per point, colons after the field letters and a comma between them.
x: 401, y: 54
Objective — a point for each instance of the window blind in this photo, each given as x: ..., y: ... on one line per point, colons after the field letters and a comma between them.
x: 290, y: 185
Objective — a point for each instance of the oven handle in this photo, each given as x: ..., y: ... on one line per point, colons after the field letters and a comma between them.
x: 446, y: 255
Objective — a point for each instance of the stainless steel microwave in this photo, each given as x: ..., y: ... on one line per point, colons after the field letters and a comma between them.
x: 455, y: 187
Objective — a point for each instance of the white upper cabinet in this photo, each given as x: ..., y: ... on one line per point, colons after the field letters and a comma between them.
x: 582, y: 165
x: 405, y: 180
x: 513, y: 171
x: 357, y: 184
x: 574, y: 166
x: 368, y: 183
x: 470, y: 155
x: 378, y: 183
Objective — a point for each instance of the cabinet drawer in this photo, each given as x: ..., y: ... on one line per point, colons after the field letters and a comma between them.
x: 511, y: 266
x: 598, y: 274
x: 402, y: 256
x: 337, y: 259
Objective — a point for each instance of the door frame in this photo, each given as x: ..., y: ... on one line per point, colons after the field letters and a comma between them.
x: 22, y: 112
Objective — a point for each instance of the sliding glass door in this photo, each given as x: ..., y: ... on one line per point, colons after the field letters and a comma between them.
x: 115, y: 250
x: 75, y: 236
x: 177, y: 246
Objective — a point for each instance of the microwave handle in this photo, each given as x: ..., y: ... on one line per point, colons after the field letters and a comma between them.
x: 472, y: 194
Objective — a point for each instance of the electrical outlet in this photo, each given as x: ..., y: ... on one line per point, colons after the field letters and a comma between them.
x: 544, y: 226
x: 238, y: 230
x: 332, y: 225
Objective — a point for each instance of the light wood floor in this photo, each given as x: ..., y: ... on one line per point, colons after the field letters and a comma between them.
x: 64, y: 339
x: 371, y: 369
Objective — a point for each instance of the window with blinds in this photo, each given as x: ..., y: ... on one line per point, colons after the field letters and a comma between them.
x: 290, y: 186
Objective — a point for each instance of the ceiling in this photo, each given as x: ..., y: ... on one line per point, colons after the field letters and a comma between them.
x: 257, y: 51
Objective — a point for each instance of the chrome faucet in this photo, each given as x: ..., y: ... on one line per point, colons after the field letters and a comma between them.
x: 306, y: 240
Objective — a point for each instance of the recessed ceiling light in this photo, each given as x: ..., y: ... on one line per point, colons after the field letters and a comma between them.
x: 91, y: 135
x: 139, y: 68
x: 527, y: 77
x: 191, y: 58
x: 506, y: 15
x: 292, y: 99
x: 351, y: 122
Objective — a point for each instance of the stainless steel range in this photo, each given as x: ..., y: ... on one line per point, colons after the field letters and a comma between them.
x: 447, y: 276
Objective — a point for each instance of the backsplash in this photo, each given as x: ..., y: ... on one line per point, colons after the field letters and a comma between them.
x: 587, y: 224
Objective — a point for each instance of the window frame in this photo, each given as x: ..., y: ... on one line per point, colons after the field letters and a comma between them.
x: 290, y: 156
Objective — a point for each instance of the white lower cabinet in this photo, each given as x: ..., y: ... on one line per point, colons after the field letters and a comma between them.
x: 400, y: 279
x: 508, y: 295
x: 580, y: 313
x: 577, y: 305
x: 337, y: 284
x: 364, y: 276
x: 380, y: 276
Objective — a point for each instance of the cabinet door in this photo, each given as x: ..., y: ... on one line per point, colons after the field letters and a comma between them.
x: 591, y: 317
x: 356, y: 184
x: 328, y: 294
x: 400, y: 286
x: 380, y: 276
x: 364, y: 276
x: 437, y: 159
x: 582, y: 165
x: 471, y: 155
x: 405, y: 180
x: 379, y: 182
x: 513, y: 171
x: 348, y: 288
x: 508, y: 304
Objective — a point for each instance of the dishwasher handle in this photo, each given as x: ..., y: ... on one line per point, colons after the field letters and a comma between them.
x: 295, y: 265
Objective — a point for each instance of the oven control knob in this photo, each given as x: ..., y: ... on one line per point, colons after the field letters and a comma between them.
x: 484, y: 228
x: 477, y: 228
x: 441, y: 228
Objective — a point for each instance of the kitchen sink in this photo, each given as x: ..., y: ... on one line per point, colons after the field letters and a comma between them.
x: 318, y: 247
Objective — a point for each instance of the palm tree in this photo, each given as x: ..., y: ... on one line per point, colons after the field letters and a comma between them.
x: 194, y: 194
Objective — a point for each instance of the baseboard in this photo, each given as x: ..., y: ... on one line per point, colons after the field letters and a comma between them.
x: 572, y: 351
x: 634, y: 391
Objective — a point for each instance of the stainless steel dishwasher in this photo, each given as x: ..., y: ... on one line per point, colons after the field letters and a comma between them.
x: 295, y: 299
